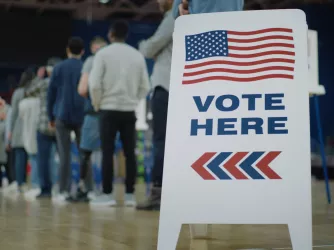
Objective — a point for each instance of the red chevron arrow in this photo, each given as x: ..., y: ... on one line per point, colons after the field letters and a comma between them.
x: 198, y: 166
x: 263, y: 165
x: 230, y: 165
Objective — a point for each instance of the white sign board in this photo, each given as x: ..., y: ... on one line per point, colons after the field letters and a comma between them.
x: 238, y: 122
x: 313, y: 64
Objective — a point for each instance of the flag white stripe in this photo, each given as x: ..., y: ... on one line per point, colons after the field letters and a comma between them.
x: 229, y: 59
x: 259, y: 35
x: 284, y: 72
x: 238, y: 67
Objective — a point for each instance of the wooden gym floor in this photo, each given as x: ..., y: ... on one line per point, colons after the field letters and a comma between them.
x: 40, y: 225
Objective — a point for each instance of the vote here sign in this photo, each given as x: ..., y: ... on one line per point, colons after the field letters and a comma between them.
x: 238, y: 147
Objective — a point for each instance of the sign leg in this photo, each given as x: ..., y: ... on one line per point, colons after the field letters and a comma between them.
x: 301, y: 234
x: 168, y: 233
x: 199, y: 231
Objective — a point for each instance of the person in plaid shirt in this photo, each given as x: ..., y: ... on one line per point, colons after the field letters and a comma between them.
x: 46, y: 140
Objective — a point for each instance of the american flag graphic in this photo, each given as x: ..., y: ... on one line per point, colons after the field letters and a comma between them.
x: 239, y: 56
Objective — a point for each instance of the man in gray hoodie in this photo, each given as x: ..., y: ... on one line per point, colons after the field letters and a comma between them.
x: 117, y: 82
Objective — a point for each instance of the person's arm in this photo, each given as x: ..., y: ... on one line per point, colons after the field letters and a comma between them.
x: 83, y: 84
x: 8, y: 124
x: 14, y: 113
x: 144, y: 86
x: 95, y: 81
x: 21, y: 108
x: 52, y: 93
x: 163, y: 36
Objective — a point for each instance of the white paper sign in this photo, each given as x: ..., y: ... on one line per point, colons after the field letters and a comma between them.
x: 238, y: 145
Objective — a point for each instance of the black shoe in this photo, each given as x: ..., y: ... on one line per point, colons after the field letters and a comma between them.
x: 82, y: 196
x: 44, y: 196
x: 79, y: 197
x: 153, y: 202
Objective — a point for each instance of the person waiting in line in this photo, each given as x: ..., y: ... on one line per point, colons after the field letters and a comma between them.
x: 4, y: 159
x: 46, y: 138
x: 90, y: 134
x: 12, y: 184
x: 16, y: 129
x: 185, y: 7
x: 29, y: 112
x: 117, y: 82
x: 159, y: 47
x: 66, y: 110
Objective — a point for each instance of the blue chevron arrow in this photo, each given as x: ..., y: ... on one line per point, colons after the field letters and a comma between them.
x: 246, y: 165
x: 216, y: 162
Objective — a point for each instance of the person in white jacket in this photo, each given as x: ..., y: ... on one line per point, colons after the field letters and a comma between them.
x: 29, y: 113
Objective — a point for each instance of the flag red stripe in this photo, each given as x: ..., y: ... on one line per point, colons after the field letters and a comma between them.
x: 266, y: 53
x: 259, y: 39
x: 236, y: 79
x: 250, y: 63
x: 256, y: 32
x: 263, y: 46
x: 237, y: 71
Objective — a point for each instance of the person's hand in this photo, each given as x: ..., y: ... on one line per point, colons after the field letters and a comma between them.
x: 8, y: 148
x: 2, y: 116
x: 2, y: 103
x: 184, y: 8
x: 41, y: 72
x: 52, y: 125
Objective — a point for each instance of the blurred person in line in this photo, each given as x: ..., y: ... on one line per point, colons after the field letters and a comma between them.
x: 185, y: 7
x: 90, y: 133
x: 29, y: 109
x: 12, y: 184
x: 159, y: 47
x: 117, y: 82
x: 4, y: 159
x: 66, y: 110
x: 16, y: 129
x: 46, y: 136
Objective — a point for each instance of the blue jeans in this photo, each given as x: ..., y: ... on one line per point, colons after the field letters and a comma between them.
x: 46, y: 164
x: 20, y: 162
x: 34, y: 175
x: 159, y: 109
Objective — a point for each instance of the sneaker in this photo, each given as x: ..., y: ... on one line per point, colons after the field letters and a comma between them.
x: 79, y: 197
x: 91, y: 195
x: 32, y: 193
x: 130, y: 200
x: 23, y: 189
x: 12, y: 187
x: 44, y: 195
x: 153, y: 201
x: 103, y: 200
x: 60, y: 198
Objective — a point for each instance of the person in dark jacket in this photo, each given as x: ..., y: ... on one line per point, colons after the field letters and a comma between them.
x: 66, y: 110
